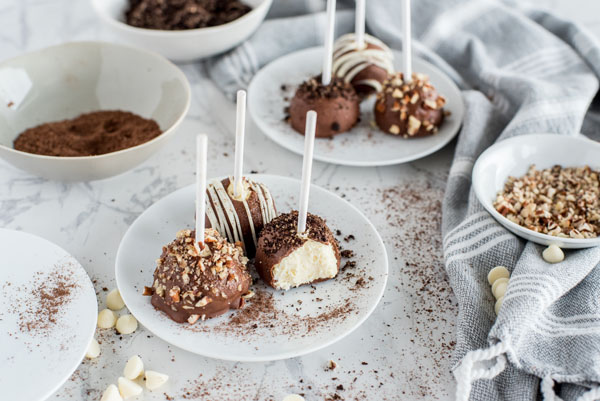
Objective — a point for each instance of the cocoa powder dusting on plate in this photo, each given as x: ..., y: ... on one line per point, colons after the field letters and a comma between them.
x: 89, y: 134
x: 40, y: 304
x: 272, y: 312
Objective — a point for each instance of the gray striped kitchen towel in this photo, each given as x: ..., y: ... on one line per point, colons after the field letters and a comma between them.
x: 522, y: 70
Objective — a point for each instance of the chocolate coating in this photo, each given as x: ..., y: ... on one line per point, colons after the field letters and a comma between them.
x: 409, y: 110
x: 259, y: 204
x: 373, y: 72
x: 337, y: 106
x: 280, y: 238
x: 367, y: 67
x: 188, y: 286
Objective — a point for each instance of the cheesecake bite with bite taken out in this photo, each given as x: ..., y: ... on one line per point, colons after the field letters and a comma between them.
x: 239, y: 218
x: 190, y: 286
x: 409, y: 109
x: 287, y: 259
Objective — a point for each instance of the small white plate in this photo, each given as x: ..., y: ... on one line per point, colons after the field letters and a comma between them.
x: 287, y: 324
x: 513, y: 156
x: 364, y: 145
x: 38, y: 356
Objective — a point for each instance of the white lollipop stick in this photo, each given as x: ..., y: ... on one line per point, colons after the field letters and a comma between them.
x: 406, y: 42
x: 240, y: 124
x: 201, y: 154
x: 329, y: 33
x: 359, y: 24
x: 309, y: 144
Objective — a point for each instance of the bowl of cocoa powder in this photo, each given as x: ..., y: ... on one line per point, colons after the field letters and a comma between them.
x: 182, y: 30
x: 88, y: 110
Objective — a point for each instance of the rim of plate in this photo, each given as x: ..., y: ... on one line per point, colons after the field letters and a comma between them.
x: 516, y: 229
x: 87, y: 283
x: 285, y: 355
x: 266, y: 129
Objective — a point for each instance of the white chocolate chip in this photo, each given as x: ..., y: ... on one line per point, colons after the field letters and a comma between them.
x: 500, y: 289
x: 553, y: 254
x: 114, y: 300
x: 133, y: 368
x: 127, y: 324
x: 154, y: 379
x: 128, y: 388
x: 394, y: 129
x: 111, y: 394
x: 106, y: 319
x: 502, y: 280
x: 498, y: 305
x: 93, y: 349
x: 496, y: 273
x: 293, y: 397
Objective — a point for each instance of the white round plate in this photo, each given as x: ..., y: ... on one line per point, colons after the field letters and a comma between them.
x: 274, y: 324
x: 514, y: 156
x: 364, y: 145
x: 38, y: 356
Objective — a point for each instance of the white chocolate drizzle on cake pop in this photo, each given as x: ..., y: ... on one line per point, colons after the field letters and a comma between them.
x: 222, y: 213
x: 348, y: 61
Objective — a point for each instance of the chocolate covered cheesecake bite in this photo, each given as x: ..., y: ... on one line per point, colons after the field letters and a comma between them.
x: 287, y: 259
x: 409, y: 109
x: 239, y: 218
x: 364, y: 65
x: 190, y: 285
x: 337, y: 105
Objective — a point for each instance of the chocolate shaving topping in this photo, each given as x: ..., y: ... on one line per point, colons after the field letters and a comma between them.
x: 313, y: 88
x: 183, y: 14
x: 281, y: 232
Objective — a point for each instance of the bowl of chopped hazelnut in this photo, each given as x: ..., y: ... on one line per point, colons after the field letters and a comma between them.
x: 543, y: 187
x: 182, y: 30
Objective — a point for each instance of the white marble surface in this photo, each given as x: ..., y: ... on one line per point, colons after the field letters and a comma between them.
x: 401, y: 353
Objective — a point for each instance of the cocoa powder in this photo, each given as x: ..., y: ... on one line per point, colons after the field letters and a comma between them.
x: 89, y: 134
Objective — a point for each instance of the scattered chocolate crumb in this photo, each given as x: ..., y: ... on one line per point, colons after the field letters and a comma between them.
x: 347, y: 253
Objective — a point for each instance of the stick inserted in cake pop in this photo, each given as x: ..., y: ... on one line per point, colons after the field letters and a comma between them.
x: 329, y: 34
x: 359, y: 24
x: 406, y: 42
x: 201, y: 154
x: 240, y: 124
x: 309, y: 144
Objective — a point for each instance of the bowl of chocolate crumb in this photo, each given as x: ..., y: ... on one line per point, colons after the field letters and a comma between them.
x: 544, y: 188
x: 182, y: 30
x: 88, y: 110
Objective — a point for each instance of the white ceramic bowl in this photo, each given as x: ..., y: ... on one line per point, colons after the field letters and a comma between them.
x: 512, y: 157
x: 64, y: 81
x: 182, y: 45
